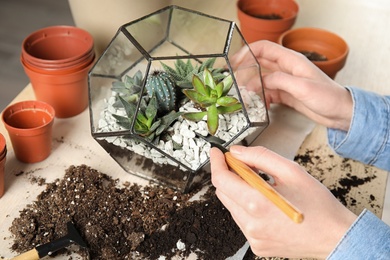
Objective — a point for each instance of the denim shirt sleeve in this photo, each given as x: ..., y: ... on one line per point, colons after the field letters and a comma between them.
x: 367, y: 238
x: 368, y: 139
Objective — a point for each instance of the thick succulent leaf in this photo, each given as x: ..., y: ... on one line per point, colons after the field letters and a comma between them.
x: 141, y: 128
x: 230, y: 109
x: 130, y: 108
x: 227, y: 101
x: 212, y: 119
x: 154, y: 126
x: 198, y: 98
x: 209, y: 63
x: 208, y: 79
x: 122, y: 121
x: 151, y: 109
x: 195, y: 116
x: 227, y: 84
x: 172, y: 72
x: 219, y: 89
x: 142, y: 118
x: 168, y: 119
x: 199, y: 86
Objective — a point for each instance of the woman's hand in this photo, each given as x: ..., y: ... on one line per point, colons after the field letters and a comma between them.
x: 268, y: 230
x: 291, y: 79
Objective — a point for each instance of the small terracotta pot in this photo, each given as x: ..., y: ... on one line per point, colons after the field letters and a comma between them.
x: 3, y: 154
x: 321, y: 42
x: 29, y: 125
x: 66, y: 92
x: 255, y: 28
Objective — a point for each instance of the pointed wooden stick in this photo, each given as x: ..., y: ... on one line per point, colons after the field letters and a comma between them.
x: 253, y: 179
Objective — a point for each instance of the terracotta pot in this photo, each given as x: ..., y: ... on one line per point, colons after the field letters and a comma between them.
x: 318, y: 41
x: 57, y: 45
x: 29, y: 125
x: 66, y: 92
x: 255, y: 28
x: 3, y: 154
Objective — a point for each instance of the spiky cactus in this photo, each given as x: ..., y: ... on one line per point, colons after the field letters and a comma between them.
x: 161, y: 85
x: 213, y: 97
x: 184, y: 71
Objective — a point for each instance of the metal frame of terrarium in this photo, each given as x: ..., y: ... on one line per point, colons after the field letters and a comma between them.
x: 131, y: 50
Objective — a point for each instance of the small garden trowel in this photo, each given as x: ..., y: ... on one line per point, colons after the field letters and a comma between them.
x: 73, y: 237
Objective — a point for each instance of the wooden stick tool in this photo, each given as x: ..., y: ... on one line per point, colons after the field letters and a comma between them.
x: 253, y: 179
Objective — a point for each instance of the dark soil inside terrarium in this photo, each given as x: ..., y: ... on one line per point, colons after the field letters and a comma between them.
x: 314, y: 56
x: 127, y: 221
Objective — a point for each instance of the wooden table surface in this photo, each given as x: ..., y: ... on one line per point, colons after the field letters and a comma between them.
x: 363, y: 24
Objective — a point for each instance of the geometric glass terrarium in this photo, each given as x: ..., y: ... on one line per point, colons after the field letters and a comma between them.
x: 167, y: 82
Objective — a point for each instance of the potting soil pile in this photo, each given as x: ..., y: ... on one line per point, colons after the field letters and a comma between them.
x: 127, y: 221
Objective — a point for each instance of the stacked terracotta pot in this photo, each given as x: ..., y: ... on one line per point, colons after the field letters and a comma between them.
x: 57, y: 60
x: 3, y: 154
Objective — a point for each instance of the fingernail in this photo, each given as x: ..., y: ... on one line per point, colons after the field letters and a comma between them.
x: 236, y: 149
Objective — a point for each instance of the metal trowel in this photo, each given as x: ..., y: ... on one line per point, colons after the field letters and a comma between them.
x: 73, y: 237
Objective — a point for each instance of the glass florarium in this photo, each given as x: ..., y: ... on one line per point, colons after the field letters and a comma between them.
x: 165, y: 84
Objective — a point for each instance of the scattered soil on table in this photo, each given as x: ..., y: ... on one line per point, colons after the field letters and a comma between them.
x: 314, y: 56
x: 315, y: 163
x: 127, y: 221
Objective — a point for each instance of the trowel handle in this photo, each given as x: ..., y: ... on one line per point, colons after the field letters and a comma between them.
x: 29, y: 255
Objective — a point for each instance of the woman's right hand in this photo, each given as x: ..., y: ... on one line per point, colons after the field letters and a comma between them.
x: 291, y: 79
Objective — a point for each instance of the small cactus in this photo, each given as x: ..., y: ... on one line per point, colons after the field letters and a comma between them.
x: 161, y: 85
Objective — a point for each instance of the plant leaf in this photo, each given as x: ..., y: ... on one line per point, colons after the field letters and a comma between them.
x: 212, y: 119
x: 130, y: 108
x: 230, y: 109
x: 219, y: 89
x: 122, y: 121
x: 198, y: 98
x: 195, y: 116
x: 151, y: 109
x: 227, y: 84
x: 199, y: 86
x: 227, y: 101
x: 154, y: 126
x: 208, y: 79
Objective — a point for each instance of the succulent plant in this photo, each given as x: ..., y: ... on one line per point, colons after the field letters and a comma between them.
x: 183, y: 72
x: 147, y: 123
x: 212, y: 96
x: 159, y: 84
x: 129, y: 88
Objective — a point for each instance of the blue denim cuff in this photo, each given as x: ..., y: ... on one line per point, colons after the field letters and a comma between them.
x: 367, y: 238
x: 368, y: 139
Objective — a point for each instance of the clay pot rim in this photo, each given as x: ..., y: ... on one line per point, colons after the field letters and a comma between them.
x: 59, y: 71
x: 59, y: 65
x: 314, y: 29
x: 284, y: 19
x: 3, y: 146
x: 24, y: 105
x: 58, y: 30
